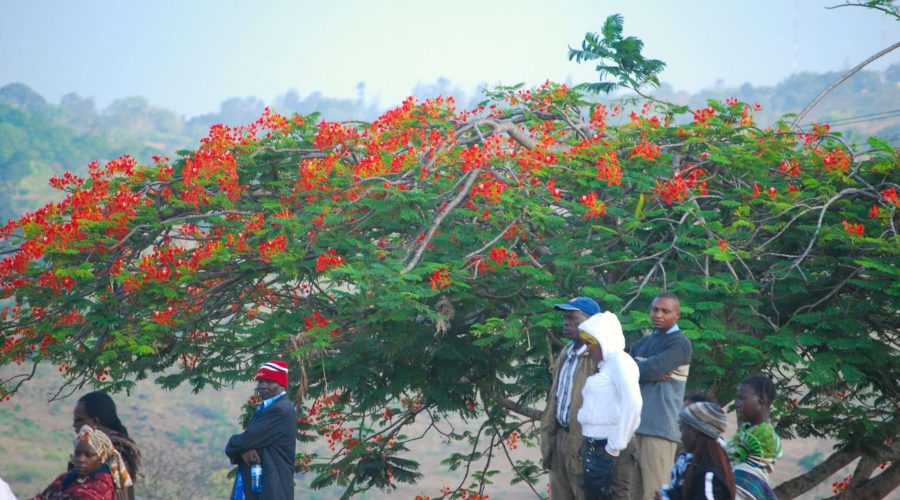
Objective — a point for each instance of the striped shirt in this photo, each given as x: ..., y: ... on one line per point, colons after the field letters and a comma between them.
x: 564, y: 388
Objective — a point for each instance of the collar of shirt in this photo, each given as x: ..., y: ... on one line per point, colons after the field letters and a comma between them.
x: 571, y: 351
x: 268, y: 402
x: 670, y: 330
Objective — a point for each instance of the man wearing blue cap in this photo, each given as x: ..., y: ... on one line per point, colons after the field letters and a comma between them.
x: 560, y: 431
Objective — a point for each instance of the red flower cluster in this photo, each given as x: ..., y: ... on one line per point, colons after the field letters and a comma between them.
x: 702, y: 115
x: 839, y: 486
x: 677, y: 188
x: 275, y: 246
x: 164, y: 317
x: 598, y: 118
x: 647, y: 150
x: 790, y: 168
x: 314, y: 172
x: 331, y: 135
x: 854, y: 229
x: 501, y: 255
x: 328, y: 260
x: 490, y: 190
x: 512, y: 442
x: 554, y: 191
x: 440, y: 279
x: 595, y: 207
x: 608, y: 168
x: 68, y: 179
x: 836, y: 160
x: 316, y: 320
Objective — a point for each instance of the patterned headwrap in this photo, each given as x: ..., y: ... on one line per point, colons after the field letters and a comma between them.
x: 103, y: 447
x: 707, y: 418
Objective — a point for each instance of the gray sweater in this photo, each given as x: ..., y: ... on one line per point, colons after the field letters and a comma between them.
x: 657, y: 355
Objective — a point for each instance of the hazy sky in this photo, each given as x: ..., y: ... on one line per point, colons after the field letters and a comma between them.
x: 190, y: 55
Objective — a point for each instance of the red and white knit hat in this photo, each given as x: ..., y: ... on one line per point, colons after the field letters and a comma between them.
x: 276, y: 371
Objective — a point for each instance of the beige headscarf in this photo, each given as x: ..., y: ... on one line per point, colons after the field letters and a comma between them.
x: 103, y: 447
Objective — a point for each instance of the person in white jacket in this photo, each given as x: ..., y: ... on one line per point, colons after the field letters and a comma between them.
x: 611, y: 411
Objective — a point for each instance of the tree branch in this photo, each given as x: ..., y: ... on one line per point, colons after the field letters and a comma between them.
x: 519, y: 409
x: 473, y: 174
x: 805, y: 482
x: 841, y: 80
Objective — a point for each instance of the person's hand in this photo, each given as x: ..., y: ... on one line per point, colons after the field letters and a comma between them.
x: 250, y: 457
x: 657, y: 495
x: 665, y: 377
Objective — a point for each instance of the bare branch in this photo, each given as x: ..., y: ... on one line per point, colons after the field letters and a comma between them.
x: 841, y: 80
x: 473, y: 175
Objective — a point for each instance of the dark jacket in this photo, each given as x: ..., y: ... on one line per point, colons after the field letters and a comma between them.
x: 708, y: 483
x: 272, y: 432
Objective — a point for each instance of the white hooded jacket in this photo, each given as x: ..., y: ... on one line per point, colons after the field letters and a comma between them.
x: 612, y: 396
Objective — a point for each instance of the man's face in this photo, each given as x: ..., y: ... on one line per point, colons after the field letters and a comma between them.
x: 571, y: 321
x: 267, y: 389
x: 747, y: 405
x: 664, y: 312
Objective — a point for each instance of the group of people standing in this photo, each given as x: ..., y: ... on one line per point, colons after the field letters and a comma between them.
x: 616, y: 418
x: 104, y: 457
x: 105, y: 460
x: 614, y: 422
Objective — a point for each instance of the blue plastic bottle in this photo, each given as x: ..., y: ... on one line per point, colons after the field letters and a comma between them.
x: 256, y: 484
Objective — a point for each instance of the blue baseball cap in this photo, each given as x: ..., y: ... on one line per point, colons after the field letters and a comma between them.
x: 586, y: 305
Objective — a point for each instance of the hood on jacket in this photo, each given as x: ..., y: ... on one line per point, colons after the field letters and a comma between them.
x: 605, y: 327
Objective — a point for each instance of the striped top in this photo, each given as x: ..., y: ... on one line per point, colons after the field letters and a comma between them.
x: 564, y: 389
x: 756, y: 445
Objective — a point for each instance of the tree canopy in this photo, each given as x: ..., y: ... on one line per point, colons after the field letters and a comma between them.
x: 409, y: 266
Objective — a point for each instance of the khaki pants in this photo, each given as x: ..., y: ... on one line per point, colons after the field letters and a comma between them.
x: 650, y: 465
x: 624, y: 479
x: 565, y: 484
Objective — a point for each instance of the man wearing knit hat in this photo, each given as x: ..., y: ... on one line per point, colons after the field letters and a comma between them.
x: 269, y: 440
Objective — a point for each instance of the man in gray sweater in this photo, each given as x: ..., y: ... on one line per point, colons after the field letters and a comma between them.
x: 663, y: 358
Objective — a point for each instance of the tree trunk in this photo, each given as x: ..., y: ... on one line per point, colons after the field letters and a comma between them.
x: 879, y: 486
x: 805, y: 482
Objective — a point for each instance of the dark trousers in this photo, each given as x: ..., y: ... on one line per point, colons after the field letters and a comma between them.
x: 598, y: 470
x: 607, y: 478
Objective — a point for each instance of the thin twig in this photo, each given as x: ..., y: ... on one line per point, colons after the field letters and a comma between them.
x: 839, y: 81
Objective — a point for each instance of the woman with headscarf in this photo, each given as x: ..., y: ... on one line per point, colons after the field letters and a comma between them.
x: 98, y: 410
x: 611, y: 411
x: 703, y: 471
x: 98, y: 472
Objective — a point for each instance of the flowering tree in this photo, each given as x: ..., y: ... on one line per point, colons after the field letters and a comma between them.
x: 408, y: 267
